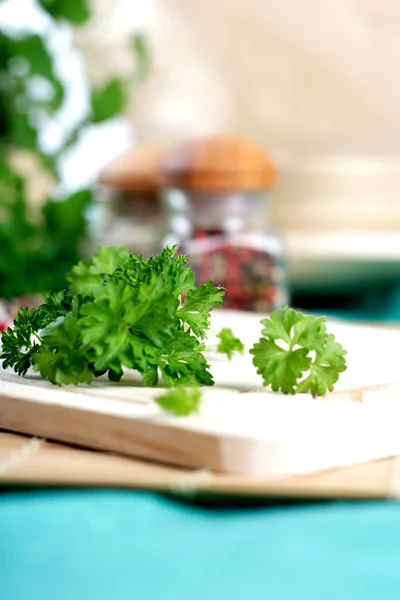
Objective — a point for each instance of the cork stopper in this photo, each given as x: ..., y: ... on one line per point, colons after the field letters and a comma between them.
x: 135, y: 171
x: 218, y: 164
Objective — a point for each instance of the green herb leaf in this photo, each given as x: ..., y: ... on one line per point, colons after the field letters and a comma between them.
x: 198, y: 305
x: 29, y: 333
x: 107, y: 102
x: 61, y: 358
x: 76, y: 12
x: 292, y: 369
x: 105, y: 326
x: 61, y: 303
x: 21, y: 343
x: 87, y: 275
x: 229, y: 344
x: 166, y: 266
x: 180, y: 401
x: 329, y: 362
x: 183, y: 362
x: 280, y: 368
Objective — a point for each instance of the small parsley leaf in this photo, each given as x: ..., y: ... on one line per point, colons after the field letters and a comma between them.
x: 229, y: 344
x: 180, y: 401
x: 198, y: 305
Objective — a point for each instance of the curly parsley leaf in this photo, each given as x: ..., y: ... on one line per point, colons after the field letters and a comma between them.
x: 324, y: 369
x: 106, y: 330
x: 62, y: 303
x: 182, y: 361
x: 166, y: 266
x: 280, y: 368
x: 284, y: 355
x: 229, y: 343
x: 180, y: 401
x: 88, y: 275
x: 140, y: 329
x: 57, y: 304
x: 23, y: 341
x: 280, y: 323
x: 61, y: 358
x: 198, y: 305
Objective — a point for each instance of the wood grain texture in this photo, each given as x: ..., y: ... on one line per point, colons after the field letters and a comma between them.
x: 60, y: 465
x: 218, y: 164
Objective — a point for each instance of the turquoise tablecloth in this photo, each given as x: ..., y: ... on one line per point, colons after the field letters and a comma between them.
x: 131, y: 545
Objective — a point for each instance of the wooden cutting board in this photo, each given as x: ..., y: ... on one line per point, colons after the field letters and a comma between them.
x: 241, y: 428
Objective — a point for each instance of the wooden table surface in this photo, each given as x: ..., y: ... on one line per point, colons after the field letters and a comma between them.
x: 34, y: 462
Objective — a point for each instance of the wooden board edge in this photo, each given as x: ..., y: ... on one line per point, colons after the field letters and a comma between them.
x: 58, y: 465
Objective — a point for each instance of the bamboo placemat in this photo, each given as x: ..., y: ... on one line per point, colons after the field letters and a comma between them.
x: 26, y: 461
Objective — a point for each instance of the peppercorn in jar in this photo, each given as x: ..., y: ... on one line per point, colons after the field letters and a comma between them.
x: 215, y: 200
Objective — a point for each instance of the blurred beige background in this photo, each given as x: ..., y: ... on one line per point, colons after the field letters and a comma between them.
x: 315, y: 83
x: 299, y: 78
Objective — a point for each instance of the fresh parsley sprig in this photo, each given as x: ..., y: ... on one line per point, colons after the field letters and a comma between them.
x: 297, y: 355
x: 121, y: 311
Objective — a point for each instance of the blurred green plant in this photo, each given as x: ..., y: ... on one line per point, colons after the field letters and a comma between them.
x: 36, y: 251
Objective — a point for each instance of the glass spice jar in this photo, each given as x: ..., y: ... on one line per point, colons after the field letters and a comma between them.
x: 216, y: 211
x: 128, y: 211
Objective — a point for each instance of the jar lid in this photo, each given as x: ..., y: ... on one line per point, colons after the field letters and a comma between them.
x: 218, y: 164
x: 137, y: 170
